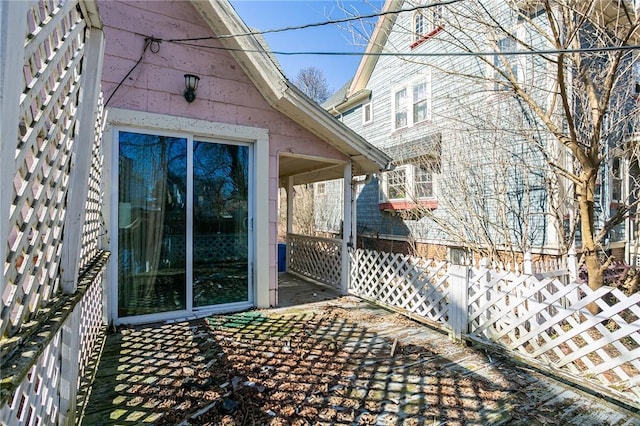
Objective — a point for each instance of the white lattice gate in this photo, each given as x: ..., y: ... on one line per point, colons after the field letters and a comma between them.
x: 51, y: 200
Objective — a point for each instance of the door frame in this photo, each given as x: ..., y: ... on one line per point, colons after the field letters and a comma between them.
x: 191, y: 129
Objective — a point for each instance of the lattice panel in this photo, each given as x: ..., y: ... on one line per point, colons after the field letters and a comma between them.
x: 54, y: 47
x: 548, y: 320
x: 316, y: 258
x: 36, y: 401
x: 93, y: 207
x: 91, y: 322
x: 415, y: 284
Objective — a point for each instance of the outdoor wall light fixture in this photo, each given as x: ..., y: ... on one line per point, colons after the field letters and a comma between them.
x: 191, y: 84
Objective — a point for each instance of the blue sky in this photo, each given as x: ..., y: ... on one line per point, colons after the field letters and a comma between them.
x: 272, y: 14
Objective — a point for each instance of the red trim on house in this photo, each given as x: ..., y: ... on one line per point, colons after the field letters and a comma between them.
x: 408, y: 205
x: 426, y: 37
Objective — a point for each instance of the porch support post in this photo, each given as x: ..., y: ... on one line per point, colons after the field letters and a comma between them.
x: 13, y: 27
x: 289, y: 217
x: 347, y: 200
x: 81, y: 160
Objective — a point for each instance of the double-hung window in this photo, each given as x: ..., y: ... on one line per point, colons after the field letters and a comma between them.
x: 505, y: 65
x: 397, y: 183
x: 419, y: 25
x: 400, y: 105
x: 423, y: 182
x: 410, y: 111
x: 406, y: 187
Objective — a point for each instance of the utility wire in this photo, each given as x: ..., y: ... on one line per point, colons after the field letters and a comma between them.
x: 319, y: 24
x: 155, y: 48
x: 426, y: 54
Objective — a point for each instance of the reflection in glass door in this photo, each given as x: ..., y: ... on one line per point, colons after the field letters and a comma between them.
x: 151, y: 224
x: 182, y: 223
x: 220, y: 212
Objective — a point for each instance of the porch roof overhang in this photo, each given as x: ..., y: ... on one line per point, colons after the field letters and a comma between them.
x: 288, y: 99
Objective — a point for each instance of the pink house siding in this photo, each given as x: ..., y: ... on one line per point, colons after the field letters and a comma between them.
x: 225, y: 93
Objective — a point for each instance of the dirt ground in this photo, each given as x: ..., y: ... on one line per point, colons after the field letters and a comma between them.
x: 339, y: 363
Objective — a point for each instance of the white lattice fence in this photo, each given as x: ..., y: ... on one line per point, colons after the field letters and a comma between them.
x: 58, y: 359
x: 316, y: 258
x: 54, y: 47
x: 36, y: 399
x: 94, y: 222
x: 548, y: 321
x: 415, y: 284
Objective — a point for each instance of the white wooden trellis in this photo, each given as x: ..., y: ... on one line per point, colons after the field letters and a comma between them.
x: 542, y: 320
x: 53, y: 53
x: 48, y: 107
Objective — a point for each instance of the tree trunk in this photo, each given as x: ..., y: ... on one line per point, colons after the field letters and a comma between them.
x: 589, y: 245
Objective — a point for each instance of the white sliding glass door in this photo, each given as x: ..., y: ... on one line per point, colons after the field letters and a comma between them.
x: 183, y: 237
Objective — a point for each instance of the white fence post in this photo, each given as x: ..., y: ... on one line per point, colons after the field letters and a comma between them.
x: 13, y: 25
x: 346, y: 228
x: 458, y: 300
x: 81, y: 167
x: 70, y: 364
x: 572, y: 264
x: 528, y: 263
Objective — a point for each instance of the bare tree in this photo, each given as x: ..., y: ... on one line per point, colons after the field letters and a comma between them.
x: 313, y: 83
x: 541, y: 100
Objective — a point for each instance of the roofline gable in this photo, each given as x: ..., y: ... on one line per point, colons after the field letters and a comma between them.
x: 376, y: 43
x: 280, y: 93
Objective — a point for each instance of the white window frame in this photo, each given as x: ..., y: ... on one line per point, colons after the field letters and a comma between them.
x: 410, y: 102
x: 616, y: 176
x: 395, y: 107
x: 367, y: 107
x: 410, y: 193
x: 419, y: 25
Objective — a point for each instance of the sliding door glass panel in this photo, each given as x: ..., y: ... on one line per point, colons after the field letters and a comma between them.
x: 151, y: 224
x: 220, y: 239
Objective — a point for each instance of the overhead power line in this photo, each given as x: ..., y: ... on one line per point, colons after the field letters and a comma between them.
x: 428, y: 54
x: 319, y: 24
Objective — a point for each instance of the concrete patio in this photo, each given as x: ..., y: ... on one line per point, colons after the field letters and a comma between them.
x: 322, y: 359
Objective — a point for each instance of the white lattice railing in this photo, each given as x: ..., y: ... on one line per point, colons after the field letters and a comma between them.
x: 47, y: 337
x: 539, y: 317
x: 41, y: 384
x: 415, y: 284
x: 548, y: 321
x: 316, y: 258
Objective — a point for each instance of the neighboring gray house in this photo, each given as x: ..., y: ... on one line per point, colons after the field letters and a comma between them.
x: 471, y: 159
